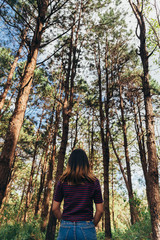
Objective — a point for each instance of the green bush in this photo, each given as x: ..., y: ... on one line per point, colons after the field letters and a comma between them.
x: 28, y: 231
x: 139, y: 231
x: 100, y: 236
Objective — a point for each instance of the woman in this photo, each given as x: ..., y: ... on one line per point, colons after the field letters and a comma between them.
x: 79, y: 188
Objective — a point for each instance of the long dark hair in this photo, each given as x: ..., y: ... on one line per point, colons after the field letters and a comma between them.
x: 78, y: 169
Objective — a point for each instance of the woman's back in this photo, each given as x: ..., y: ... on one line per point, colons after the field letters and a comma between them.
x: 78, y: 199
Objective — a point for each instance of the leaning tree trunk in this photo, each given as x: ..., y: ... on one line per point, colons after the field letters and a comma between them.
x: 153, y: 179
x: 13, y: 67
x: 16, y: 120
x: 133, y: 210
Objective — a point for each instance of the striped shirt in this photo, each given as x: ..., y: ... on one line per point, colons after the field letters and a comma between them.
x: 78, y: 200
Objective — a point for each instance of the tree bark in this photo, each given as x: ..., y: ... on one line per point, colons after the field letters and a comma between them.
x: 149, y: 120
x: 105, y: 151
x: 16, y: 120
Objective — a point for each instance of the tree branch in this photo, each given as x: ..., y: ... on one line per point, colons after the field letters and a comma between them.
x: 56, y: 10
x: 155, y: 33
x: 152, y: 52
x: 40, y: 63
x: 45, y: 44
x: 20, y: 15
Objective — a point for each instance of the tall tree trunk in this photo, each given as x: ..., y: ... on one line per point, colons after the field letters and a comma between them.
x: 48, y: 185
x: 67, y: 111
x: 133, y: 211
x: 16, y: 120
x: 153, y: 178
x: 13, y: 67
x: 51, y: 228
x: 105, y: 151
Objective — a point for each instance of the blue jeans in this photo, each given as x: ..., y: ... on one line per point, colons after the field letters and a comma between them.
x: 81, y: 230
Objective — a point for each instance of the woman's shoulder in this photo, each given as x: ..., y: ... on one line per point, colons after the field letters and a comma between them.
x: 96, y: 182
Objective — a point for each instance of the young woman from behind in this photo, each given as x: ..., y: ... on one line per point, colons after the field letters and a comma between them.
x: 79, y: 188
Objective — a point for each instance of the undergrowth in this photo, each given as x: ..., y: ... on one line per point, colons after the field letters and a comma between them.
x: 139, y: 231
x: 17, y: 231
x: 31, y: 231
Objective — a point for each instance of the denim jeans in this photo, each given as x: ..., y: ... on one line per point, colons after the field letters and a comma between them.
x: 82, y: 230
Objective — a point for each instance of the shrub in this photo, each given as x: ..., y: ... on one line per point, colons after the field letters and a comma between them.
x: 139, y: 231
x: 28, y: 231
x: 100, y: 236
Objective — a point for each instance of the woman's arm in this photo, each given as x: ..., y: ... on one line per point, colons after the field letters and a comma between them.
x: 98, y: 213
x: 56, y: 210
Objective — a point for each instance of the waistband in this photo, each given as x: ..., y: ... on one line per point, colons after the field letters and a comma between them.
x: 77, y: 223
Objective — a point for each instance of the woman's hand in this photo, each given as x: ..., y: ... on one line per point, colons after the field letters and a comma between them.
x: 56, y: 210
x: 98, y: 213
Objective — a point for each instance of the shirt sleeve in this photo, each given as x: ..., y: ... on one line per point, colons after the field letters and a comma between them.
x: 58, y: 196
x: 97, y: 192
